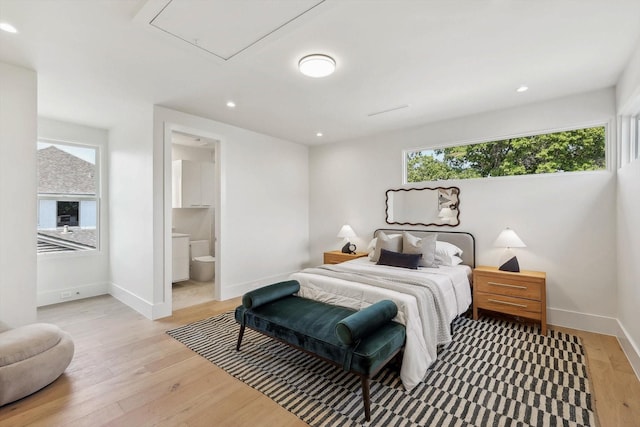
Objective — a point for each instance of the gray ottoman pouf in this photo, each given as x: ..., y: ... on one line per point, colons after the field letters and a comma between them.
x: 31, y: 357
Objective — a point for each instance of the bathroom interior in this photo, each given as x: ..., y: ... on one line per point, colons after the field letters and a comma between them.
x: 193, y: 219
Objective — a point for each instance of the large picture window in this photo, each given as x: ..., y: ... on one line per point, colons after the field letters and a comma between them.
x: 567, y: 151
x: 68, y: 197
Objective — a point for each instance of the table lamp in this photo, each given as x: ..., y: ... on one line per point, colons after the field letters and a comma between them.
x: 347, y: 232
x: 509, y: 239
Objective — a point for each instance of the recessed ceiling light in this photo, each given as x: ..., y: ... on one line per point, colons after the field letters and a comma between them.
x: 522, y: 88
x: 231, y: 104
x: 5, y: 26
x: 319, y: 134
x: 317, y: 65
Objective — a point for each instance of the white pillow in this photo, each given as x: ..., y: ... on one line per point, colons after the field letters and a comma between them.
x: 456, y: 260
x: 372, y: 247
x: 425, y: 246
x: 391, y: 242
x: 445, y: 252
x: 372, y: 244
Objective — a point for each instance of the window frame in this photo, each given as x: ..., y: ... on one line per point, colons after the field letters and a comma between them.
x: 77, y: 197
x: 607, y: 150
x: 635, y: 137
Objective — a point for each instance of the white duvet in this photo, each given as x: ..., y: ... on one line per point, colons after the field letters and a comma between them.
x: 428, y: 299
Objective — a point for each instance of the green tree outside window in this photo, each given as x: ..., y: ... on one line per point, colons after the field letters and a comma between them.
x: 568, y: 151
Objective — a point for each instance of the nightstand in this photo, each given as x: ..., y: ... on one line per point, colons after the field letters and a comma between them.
x: 336, y: 257
x: 522, y: 294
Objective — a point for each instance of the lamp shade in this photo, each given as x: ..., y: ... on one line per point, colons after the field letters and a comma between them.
x: 346, y: 231
x: 509, y: 239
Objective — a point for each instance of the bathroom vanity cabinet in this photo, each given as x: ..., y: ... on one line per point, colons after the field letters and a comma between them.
x: 180, y: 257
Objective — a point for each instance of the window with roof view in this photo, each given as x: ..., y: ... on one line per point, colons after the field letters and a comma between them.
x: 68, y: 197
x: 567, y: 151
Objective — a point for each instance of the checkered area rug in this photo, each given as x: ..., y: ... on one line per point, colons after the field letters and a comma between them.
x: 494, y: 373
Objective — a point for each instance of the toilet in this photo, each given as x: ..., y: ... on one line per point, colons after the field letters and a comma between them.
x: 202, y: 263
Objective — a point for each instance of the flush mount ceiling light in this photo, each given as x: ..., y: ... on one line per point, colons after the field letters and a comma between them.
x: 5, y: 26
x: 522, y: 88
x: 319, y: 134
x: 317, y: 65
x: 231, y: 104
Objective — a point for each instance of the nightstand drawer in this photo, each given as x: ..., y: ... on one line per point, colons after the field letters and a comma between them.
x: 522, y: 294
x: 515, y: 287
x: 514, y: 306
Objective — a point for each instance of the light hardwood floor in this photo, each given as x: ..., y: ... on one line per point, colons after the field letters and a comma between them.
x: 128, y: 372
x: 190, y: 292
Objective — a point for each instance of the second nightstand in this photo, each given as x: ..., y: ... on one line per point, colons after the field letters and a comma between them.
x: 336, y: 257
x: 520, y: 294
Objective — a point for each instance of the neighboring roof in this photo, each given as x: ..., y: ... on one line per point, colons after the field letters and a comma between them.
x: 62, y: 173
x: 76, y: 238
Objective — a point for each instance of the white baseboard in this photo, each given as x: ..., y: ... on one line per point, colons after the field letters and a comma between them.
x: 630, y: 348
x: 240, y: 289
x: 583, y: 322
x: 126, y: 297
x: 158, y: 311
x: 142, y: 306
x: 73, y: 293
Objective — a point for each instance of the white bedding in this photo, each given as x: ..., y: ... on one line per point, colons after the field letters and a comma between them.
x: 359, y: 283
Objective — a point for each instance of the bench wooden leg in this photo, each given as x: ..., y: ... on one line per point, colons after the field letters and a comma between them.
x: 366, y: 398
x: 240, y: 337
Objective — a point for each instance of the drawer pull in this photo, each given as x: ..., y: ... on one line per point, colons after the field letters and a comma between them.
x: 508, y: 286
x: 507, y: 303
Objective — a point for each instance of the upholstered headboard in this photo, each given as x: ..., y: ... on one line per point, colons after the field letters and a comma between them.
x: 464, y: 241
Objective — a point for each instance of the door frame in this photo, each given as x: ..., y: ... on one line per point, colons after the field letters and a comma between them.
x: 169, y: 127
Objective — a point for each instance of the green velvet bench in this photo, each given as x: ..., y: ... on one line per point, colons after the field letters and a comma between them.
x: 361, y: 342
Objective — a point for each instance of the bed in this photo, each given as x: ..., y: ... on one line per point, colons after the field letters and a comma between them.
x: 428, y: 298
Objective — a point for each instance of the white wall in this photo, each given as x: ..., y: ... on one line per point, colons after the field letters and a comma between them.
x: 567, y: 221
x: 83, y: 274
x: 131, y: 206
x: 263, y: 202
x: 18, y: 133
x: 628, y: 87
x: 628, y: 92
x: 197, y: 223
x: 628, y: 256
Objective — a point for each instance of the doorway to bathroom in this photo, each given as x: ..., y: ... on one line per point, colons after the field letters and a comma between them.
x: 193, y: 218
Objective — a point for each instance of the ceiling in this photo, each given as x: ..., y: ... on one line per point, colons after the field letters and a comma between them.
x: 439, y: 58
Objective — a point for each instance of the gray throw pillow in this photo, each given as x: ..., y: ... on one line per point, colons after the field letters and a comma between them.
x: 393, y: 244
x: 425, y: 245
